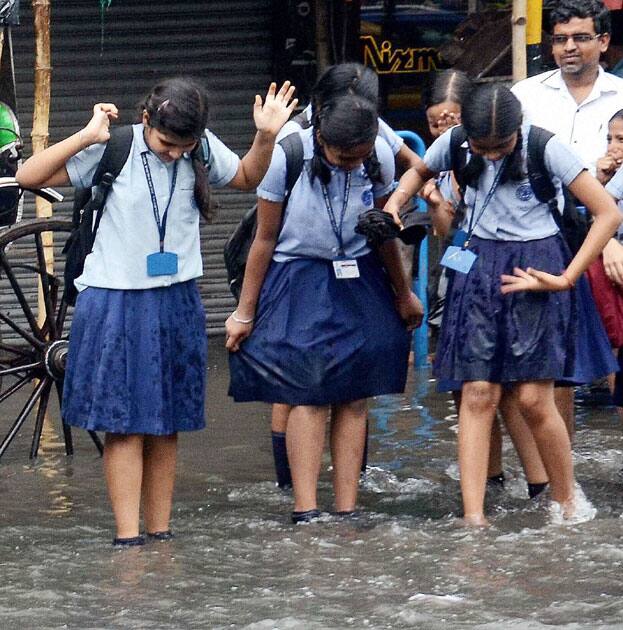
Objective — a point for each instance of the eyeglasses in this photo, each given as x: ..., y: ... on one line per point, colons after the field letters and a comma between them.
x: 578, y: 38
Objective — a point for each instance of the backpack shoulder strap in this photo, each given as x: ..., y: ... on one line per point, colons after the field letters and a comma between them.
x: 540, y: 179
x: 302, y: 120
x: 458, y: 155
x: 292, y: 146
x: 115, y: 154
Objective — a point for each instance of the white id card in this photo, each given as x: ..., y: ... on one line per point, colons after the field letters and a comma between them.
x: 346, y: 269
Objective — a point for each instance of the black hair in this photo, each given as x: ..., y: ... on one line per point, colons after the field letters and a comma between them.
x: 451, y: 86
x: 565, y: 10
x: 493, y: 111
x: 345, y: 78
x: 179, y: 106
x: 616, y: 116
x: 345, y: 122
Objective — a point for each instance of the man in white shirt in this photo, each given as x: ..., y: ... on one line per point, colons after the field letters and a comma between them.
x: 576, y: 102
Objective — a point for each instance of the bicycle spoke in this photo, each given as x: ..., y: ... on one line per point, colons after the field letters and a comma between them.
x: 50, y: 320
x: 14, y: 350
x: 21, y: 332
x: 43, y: 407
x: 21, y: 298
x: 21, y: 418
x: 20, y: 368
x: 15, y: 387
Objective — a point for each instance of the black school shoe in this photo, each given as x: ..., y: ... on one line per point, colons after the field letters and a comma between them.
x: 161, y: 536
x: 134, y: 541
x: 309, y: 516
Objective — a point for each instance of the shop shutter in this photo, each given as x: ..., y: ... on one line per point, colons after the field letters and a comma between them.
x: 227, y: 44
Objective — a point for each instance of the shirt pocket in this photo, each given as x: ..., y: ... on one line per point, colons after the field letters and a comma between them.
x: 188, y: 208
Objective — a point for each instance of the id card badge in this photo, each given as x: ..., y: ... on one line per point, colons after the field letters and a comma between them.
x: 345, y: 269
x: 162, y: 264
x: 458, y: 259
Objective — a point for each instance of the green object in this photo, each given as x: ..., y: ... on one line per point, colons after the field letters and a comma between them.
x: 9, y: 128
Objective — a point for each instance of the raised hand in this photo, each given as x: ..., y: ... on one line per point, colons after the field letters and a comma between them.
x: 447, y: 120
x: 97, y: 129
x: 533, y: 280
x: 272, y: 115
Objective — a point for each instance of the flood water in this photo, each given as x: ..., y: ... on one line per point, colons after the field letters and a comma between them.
x: 237, y: 562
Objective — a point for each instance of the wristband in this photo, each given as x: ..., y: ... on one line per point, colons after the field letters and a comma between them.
x: 241, y: 321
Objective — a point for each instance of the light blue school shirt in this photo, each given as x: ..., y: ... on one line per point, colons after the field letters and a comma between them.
x: 514, y: 213
x: 306, y: 230
x: 385, y: 131
x: 615, y: 188
x: 128, y: 233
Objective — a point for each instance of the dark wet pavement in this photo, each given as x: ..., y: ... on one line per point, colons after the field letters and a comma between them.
x: 238, y: 563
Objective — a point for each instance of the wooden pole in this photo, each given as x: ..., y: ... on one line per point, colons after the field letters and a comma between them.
x: 520, y: 70
x: 41, y: 120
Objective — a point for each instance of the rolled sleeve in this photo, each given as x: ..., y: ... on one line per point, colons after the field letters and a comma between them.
x: 385, y: 157
x: 223, y: 163
x: 273, y: 186
x: 82, y: 166
x: 561, y: 160
x: 437, y: 157
x: 394, y: 141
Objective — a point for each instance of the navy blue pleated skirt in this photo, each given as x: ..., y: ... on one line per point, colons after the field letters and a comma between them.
x: 137, y: 361
x: 318, y: 340
x: 519, y: 337
x: 594, y: 358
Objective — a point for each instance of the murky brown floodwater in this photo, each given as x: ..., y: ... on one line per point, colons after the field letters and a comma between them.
x: 238, y: 563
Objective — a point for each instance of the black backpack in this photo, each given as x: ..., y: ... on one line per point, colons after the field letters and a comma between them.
x: 237, y: 247
x: 572, y: 224
x: 89, y: 205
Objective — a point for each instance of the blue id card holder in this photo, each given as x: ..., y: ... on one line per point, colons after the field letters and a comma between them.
x: 162, y: 264
x: 459, y: 259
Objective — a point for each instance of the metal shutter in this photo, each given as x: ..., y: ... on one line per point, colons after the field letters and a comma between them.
x: 226, y: 44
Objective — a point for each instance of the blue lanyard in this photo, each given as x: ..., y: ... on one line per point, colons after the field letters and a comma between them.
x: 162, y: 225
x: 337, y: 229
x: 494, y: 185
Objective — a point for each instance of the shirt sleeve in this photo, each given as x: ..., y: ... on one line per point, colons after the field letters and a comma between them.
x: 385, y: 156
x: 394, y: 141
x: 82, y: 166
x: 615, y: 185
x: 562, y: 161
x: 437, y: 157
x: 273, y: 186
x: 223, y: 162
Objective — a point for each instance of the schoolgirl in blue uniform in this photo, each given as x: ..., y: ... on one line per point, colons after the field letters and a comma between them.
x: 338, y: 80
x: 509, y: 318
x: 137, y: 355
x: 319, y: 325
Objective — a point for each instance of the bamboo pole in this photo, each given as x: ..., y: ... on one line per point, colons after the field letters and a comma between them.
x: 41, y: 121
x: 519, y: 19
x: 534, y: 27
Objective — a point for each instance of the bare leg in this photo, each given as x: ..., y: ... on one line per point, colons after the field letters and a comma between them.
x: 305, y: 441
x: 495, y: 450
x: 524, y: 443
x: 348, y: 437
x: 479, y: 401
x: 279, y: 417
x: 123, y: 466
x: 564, y: 397
x: 536, y: 402
x: 160, y: 456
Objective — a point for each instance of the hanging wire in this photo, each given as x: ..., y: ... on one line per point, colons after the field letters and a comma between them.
x: 104, y: 4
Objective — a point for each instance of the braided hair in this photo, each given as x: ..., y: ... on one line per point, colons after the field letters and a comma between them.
x: 179, y: 106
